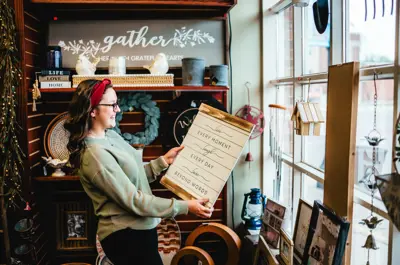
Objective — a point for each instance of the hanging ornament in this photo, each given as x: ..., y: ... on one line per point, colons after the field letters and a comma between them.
x: 253, y: 115
x: 373, y: 138
x: 307, y: 116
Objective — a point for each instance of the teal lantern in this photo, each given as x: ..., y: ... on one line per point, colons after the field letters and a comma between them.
x: 252, y: 211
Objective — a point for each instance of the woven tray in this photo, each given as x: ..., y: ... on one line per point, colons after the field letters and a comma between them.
x: 136, y: 80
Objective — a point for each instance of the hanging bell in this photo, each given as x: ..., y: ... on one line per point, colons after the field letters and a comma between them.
x: 249, y: 157
x: 370, y: 243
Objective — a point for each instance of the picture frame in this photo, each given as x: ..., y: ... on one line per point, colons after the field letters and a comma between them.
x: 275, y: 208
x: 264, y: 255
x: 272, y: 221
x: 76, y: 225
x: 327, y: 237
x: 270, y: 235
x: 286, y: 246
x: 302, y: 223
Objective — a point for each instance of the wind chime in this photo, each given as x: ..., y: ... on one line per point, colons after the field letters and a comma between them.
x: 372, y: 221
x: 276, y: 120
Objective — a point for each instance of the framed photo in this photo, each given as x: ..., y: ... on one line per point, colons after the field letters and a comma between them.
x: 275, y: 208
x: 270, y: 235
x: 327, y: 236
x: 303, y: 219
x: 76, y: 225
x: 286, y: 248
x: 272, y: 221
x: 264, y: 255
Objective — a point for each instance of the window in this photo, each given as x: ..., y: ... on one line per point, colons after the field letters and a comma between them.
x: 384, y: 119
x: 314, y: 146
x: 316, y: 46
x: 312, y: 189
x: 360, y: 234
x: 303, y: 57
x: 285, y: 98
x: 285, y: 40
x: 285, y: 186
x: 370, y: 40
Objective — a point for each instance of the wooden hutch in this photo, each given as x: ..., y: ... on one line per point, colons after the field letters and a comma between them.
x: 50, y: 196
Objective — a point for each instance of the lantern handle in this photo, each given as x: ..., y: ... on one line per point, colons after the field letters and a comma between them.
x: 244, y: 211
x: 263, y: 203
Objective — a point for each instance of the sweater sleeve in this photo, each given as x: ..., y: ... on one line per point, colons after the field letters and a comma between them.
x: 154, y: 168
x: 109, y: 177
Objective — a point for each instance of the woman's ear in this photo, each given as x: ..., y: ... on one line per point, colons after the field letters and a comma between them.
x: 92, y: 114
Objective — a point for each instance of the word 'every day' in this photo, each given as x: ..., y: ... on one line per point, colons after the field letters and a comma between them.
x: 201, y: 161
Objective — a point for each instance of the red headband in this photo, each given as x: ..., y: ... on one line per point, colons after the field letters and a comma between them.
x: 98, y: 91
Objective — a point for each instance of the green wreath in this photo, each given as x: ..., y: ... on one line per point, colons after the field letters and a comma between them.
x: 130, y: 101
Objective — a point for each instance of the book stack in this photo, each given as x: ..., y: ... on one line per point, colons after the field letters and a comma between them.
x: 55, y: 79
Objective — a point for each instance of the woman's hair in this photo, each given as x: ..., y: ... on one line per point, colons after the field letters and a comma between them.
x: 79, y: 121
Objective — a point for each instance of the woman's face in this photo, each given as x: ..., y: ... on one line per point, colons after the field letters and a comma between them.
x: 104, y: 113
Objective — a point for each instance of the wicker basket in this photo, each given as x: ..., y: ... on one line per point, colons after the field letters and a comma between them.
x: 139, y: 80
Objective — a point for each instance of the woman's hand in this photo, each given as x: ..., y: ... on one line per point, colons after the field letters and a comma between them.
x: 197, y: 207
x: 170, y: 156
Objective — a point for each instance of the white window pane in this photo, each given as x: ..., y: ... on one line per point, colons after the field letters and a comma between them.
x: 371, y: 41
x: 284, y: 194
x: 312, y: 189
x: 316, y: 46
x: 384, y: 119
x: 285, y: 98
x: 360, y: 234
x: 314, y: 146
x: 285, y: 43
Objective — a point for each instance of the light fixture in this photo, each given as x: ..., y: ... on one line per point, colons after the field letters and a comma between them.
x: 283, y: 4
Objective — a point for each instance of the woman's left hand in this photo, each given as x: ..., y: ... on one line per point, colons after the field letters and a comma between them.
x: 171, y: 154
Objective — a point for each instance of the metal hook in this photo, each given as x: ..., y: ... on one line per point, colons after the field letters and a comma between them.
x: 248, y: 86
x: 308, y: 89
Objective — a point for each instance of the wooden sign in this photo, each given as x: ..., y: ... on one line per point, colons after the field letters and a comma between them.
x: 139, y: 40
x: 213, y: 145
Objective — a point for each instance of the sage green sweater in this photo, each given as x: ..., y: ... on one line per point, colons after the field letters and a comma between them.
x: 113, y: 176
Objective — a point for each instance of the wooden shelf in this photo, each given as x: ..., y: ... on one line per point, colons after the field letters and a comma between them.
x: 147, y: 89
x: 202, y: 3
x: 56, y: 179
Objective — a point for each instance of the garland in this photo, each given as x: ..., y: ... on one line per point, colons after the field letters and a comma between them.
x: 10, y: 76
x: 142, y: 101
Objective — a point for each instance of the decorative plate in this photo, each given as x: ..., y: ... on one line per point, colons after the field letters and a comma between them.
x: 56, y: 138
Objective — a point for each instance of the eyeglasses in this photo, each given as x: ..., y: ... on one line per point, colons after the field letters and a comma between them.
x: 114, y: 105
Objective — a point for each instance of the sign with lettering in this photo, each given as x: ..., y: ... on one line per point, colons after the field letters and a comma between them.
x: 139, y: 40
x: 213, y: 145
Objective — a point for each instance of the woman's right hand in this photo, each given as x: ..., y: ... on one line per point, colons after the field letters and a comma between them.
x: 197, y: 207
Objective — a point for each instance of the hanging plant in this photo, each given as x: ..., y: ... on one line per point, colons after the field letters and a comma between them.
x: 10, y: 75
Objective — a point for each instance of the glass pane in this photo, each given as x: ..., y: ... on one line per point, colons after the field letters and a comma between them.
x: 314, y: 146
x: 360, y: 234
x: 285, y: 43
x: 365, y: 118
x: 371, y: 41
x: 316, y: 46
x: 285, y: 98
x: 312, y: 190
x: 284, y: 196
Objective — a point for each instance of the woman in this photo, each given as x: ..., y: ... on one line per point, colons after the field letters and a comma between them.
x: 112, y: 175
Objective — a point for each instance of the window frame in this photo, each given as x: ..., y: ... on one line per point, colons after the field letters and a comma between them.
x: 338, y: 42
